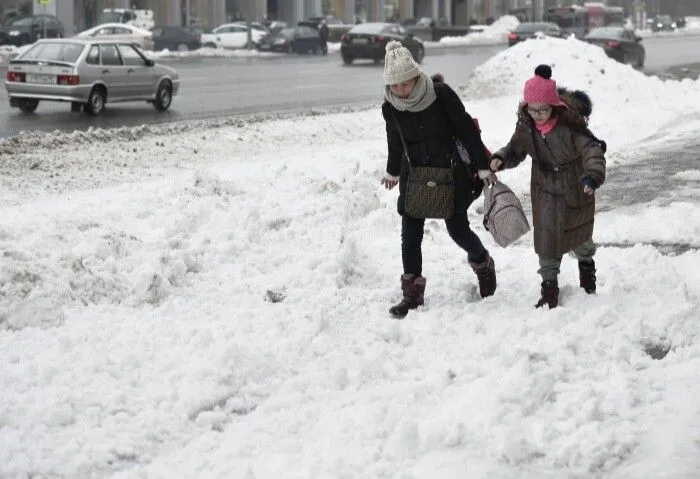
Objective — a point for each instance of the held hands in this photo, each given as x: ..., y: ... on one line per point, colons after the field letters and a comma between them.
x: 495, y: 164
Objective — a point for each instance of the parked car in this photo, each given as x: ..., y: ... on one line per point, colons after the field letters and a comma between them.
x: 206, y: 36
x: 619, y: 43
x: 24, y: 30
x: 663, y: 23
x: 88, y: 73
x: 120, y: 32
x: 368, y: 40
x: 531, y: 29
x: 293, y: 40
x: 235, y: 35
x: 175, y: 39
x: 255, y: 26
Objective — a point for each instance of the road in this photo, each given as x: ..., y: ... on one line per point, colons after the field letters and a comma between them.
x: 236, y: 86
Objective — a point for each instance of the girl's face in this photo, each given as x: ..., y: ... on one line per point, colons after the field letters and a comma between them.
x: 402, y: 90
x: 540, y: 112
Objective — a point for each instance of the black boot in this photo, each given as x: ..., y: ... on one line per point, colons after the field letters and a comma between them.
x: 486, y: 274
x: 550, y: 295
x: 586, y: 276
x: 413, y: 288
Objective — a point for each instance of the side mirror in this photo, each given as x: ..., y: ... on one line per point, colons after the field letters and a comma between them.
x: 409, y: 35
x: 638, y: 39
x: 150, y: 62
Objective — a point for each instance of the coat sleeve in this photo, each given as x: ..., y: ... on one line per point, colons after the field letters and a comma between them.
x: 592, y: 156
x: 394, y: 144
x: 513, y: 153
x: 464, y: 126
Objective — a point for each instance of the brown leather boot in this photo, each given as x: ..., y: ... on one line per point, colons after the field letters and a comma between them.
x: 586, y: 276
x: 413, y: 290
x: 486, y: 274
x: 550, y: 295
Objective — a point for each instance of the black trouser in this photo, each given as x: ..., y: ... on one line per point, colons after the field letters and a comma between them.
x: 457, y: 227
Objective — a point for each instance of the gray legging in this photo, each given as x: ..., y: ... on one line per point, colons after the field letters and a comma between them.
x: 457, y: 227
x: 549, y: 268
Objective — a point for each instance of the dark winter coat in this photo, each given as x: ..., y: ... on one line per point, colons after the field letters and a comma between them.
x: 562, y: 214
x: 429, y: 135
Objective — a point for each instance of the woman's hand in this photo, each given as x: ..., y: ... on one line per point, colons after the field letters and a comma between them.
x: 495, y: 164
x: 389, y: 181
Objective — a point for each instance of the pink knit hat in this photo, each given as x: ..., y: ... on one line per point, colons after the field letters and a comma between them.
x: 541, y: 88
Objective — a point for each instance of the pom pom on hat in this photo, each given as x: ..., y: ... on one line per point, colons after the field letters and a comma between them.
x: 541, y: 88
x: 544, y: 71
x: 399, y: 65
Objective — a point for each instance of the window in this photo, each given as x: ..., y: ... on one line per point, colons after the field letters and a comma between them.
x: 93, y: 56
x: 121, y: 31
x: 62, y: 52
x: 131, y: 57
x: 110, y: 55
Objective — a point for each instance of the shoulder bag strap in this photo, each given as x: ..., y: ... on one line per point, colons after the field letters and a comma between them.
x: 403, y: 141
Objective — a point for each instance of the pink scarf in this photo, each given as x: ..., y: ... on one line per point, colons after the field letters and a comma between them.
x: 547, y: 126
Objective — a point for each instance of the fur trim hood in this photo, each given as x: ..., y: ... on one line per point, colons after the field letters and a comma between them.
x: 576, y: 100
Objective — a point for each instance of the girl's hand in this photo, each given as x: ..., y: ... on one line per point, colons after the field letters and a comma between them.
x: 495, y: 164
x: 389, y: 183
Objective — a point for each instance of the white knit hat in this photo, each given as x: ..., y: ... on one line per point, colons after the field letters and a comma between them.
x: 399, y: 65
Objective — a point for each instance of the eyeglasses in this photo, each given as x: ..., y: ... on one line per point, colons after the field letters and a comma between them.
x: 539, y: 111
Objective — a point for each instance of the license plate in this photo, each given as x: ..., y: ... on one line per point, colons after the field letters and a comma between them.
x: 360, y: 40
x: 44, y: 79
x: 264, y: 47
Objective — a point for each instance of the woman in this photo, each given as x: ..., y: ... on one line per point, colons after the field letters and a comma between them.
x: 430, y: 116
x: 567, y: 167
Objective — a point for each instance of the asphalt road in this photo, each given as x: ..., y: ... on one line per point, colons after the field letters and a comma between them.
x: 237, y: 86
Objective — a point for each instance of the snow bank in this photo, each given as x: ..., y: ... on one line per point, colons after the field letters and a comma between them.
x: 618, y: 91
x: 494, y: 34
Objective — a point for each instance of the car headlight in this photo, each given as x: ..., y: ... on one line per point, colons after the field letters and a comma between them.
x: 280, y: 41
x: 673, y: 25
x: 659, y: 25
x: 14, y: 33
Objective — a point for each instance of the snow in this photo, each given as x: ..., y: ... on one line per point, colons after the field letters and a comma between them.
x: 209, y: 299
x: 494, y: 34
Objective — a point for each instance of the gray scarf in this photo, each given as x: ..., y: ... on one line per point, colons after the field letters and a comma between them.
x: 422, y: 96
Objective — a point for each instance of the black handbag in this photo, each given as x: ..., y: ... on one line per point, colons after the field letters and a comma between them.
x: 430, y: 191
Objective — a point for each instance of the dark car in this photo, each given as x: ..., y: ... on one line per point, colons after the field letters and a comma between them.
x: 24, y: 30
x: 368, y: 40
x: 531, y: 29
x: 663, y: 23
x: 293, y: 40
x: 176, y: 38
x: 619, y: 43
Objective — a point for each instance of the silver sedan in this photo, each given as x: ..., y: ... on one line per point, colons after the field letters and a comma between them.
x: 88, y: 74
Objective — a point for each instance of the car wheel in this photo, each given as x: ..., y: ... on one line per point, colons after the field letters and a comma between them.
x: 75, y: 106
x: 96, y: 101
x: 250, y: 45
x: 29, y: 105
x: 348, y: 60
x: 209, y: 45
x: 182, y: 47
x: 317, y: 50
x: 420, y: 54
x: 164, y: 96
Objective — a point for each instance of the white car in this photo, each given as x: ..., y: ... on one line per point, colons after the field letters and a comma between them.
x: 120, y: 32
x: 235, y: 35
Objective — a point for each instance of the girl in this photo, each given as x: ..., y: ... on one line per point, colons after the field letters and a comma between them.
x: 567, y: 167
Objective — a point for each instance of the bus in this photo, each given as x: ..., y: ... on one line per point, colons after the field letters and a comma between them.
x: 578, y: 20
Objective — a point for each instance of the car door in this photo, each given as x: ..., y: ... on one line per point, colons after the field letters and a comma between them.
x: 141, y: 77
x: 114, y: 73
x: 123, y: 34
x: 225, y: 35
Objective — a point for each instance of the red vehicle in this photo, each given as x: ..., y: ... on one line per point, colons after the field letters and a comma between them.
x: 579, y: 20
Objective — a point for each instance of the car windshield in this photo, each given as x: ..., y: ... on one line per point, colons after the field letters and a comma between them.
x: 21, y: 22
x: 368, y: 28
x: 286, y: 32
x: 532, y: 27
x: 62, y: 52
x: 605, y: 32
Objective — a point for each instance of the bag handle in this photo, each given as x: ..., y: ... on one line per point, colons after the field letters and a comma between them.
x: 403, y: 141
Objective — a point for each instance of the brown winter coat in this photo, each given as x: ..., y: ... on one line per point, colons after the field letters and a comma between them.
x: 562, y: 214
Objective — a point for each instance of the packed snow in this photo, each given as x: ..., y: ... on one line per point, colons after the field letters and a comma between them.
x: 210, y: 300
x: 494, y: 34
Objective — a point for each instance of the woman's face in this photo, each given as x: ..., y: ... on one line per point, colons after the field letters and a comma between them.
x: 540, y: 112
x: 402, y: 90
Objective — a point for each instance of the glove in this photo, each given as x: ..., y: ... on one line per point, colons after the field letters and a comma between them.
x: 589, y: 185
